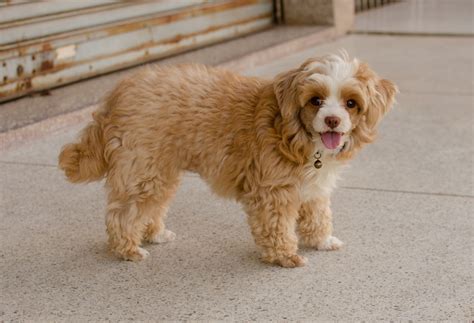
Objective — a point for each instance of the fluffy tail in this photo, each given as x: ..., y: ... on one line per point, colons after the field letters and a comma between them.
x: 84, y: 161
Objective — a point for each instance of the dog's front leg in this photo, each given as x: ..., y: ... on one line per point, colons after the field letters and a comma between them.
x: 315, y: 225
x: 272, y: 220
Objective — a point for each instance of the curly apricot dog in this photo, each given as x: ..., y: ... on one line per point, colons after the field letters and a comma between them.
x: 275, y: 146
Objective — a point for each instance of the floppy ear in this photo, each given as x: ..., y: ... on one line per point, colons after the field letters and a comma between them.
x: 285, y: 88
x: 294, y: 144
x: 381, y: 99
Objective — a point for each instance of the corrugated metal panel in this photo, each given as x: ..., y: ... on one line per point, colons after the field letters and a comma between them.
x: 41, y: 63
x: 14, y: 11
x: 4, y: 3
x: 73, y: 20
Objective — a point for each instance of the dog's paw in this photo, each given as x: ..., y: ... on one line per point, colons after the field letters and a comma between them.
x: 287, y: 261
x: 165, y: 236
x: 330, y: 243
x: 292, y: 261
x: 136, y: 255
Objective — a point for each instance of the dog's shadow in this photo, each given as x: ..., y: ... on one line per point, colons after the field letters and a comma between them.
x: 176, y: 256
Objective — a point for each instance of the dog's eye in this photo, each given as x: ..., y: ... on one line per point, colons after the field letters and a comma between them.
x: 351, y: 104
x: 316, y: 101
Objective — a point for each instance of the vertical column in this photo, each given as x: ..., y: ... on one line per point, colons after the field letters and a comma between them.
x: 337, y: 13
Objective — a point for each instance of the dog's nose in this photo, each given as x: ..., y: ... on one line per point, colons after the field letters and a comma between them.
x: 332, y: 121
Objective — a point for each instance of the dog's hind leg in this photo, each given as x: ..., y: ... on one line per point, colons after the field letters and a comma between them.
x: 137, y: 213
x: 140, y: 188
x: 125, y: 227
x: 155, y: 231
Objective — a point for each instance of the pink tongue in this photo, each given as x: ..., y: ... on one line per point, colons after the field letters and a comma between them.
x: 331, y: 139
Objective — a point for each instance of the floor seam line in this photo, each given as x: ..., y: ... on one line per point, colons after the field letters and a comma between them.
x: 27, y: 164
x: 410, y: 34
x: 406, y: 192
x: 438, y: 93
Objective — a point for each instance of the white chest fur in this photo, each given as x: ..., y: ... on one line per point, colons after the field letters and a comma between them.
x: 320, y: 182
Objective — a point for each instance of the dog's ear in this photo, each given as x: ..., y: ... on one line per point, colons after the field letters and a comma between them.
x: 381, y: 101
x: 295, y: 144
x: 285, y: 88
x: 381, y: 97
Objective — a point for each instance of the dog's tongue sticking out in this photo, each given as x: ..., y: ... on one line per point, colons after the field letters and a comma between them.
x: 331, y: 139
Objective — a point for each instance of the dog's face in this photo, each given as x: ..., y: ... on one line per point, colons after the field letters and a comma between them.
x: 336, y: 101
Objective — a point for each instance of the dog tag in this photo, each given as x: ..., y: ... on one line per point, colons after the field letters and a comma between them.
x: 318, y: 164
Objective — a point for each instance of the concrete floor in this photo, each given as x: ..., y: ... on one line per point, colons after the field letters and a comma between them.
x: 444, y: 17
x: 404, y: 210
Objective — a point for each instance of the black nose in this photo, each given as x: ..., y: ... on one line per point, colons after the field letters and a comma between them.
x: 332, y: 121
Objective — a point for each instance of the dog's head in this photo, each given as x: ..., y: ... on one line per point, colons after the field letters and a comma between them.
x: 332, y: 103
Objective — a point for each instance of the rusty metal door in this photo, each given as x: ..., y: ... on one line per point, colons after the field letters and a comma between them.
x: 46, y: 44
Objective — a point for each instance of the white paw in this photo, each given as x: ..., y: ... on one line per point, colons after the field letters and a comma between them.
x: 143, y: 253
x: 331, y: 243
x: 165, y: 236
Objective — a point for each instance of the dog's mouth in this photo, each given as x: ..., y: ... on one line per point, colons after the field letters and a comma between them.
x: 331, y: 139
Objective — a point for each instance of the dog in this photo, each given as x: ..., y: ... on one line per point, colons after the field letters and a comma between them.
x: 276, y: 146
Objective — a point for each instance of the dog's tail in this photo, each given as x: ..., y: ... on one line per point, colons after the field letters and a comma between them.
x: 84, y: 161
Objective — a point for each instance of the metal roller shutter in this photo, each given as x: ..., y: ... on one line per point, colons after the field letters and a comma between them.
x: 46, y: 44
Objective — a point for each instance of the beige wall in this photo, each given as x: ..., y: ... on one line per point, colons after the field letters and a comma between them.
x: 339, y: 13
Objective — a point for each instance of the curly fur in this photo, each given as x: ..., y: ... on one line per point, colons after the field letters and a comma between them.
x: 250, y: 139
